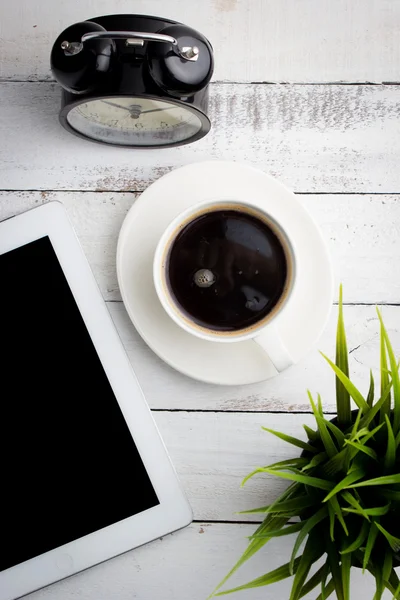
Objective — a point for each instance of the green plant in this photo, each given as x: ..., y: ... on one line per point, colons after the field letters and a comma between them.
x: 345, y: 488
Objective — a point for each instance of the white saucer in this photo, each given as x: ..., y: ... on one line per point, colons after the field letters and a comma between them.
x: 227, y: 364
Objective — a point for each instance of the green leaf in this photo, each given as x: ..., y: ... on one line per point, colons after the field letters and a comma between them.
x: 393, y: 584
x: 345, y: 568
x: 361, y: 433
x: 362, y: 448
x: 397, y: 593
x: 320, y: 410
x: 395, y: 376
x: 296, y: 462
x: 379, y: 583
x: 313, y: 550
x: 372, y: 535
x: 324, y: 587
x: 362, y: 536
x: 385, y: 480
x: 390, y: 494
x: 294, y: 506
x: 315, y: 461
x: 283, y: 463
x: 349, y: 385
x: 333, y: 558
x: 311, y: 434
x: 342, y: 362
x: 371, y: 391
x: 339, y: 435
x: 355, y: 504
x: 338, y: 512
x: 393, y: 579
x: 355, y: 429
x: 305, y: 479
x: 367, y: 435
x: 367, y: 419
x: 336, y: 463
x: 332, y: 517
x: 385, y: 410
x: 312, y: 583
x: 376, y: 511
x: 390, y: 456
x: 345, y: 483
x: 280, y: 532
x: 383, y: 574
x: 387, y: 565
x: 291, y: 492
x: 271, y: 577
x: 269, y: 523
x: 308, y: 525
x: 394, y: 542
x: 327, y: 590
x: 292, y: 440
x: 327, y: 441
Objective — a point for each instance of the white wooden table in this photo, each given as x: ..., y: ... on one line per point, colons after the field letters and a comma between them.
x: 307, y: 90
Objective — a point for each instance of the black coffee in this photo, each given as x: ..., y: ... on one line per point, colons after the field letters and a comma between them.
x: 226, y: 270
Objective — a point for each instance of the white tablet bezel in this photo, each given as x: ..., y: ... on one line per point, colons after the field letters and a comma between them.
x: 173, y: 512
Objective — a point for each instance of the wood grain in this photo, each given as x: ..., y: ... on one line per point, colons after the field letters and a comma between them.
x: 362, y: 233
x: 188, y: 565
x: 340, y: 144
x: 314, y: 138
x: 164, y: 388
x: 254, y: 40
x: 213, y: 452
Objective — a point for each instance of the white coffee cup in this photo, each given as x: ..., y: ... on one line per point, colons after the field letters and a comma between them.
x: 264, y: 332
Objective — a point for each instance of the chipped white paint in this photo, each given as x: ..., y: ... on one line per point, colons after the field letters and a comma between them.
x: 254, y: 40
x: 314, y: 138
x: 188, y: 565
x: 365, y: 251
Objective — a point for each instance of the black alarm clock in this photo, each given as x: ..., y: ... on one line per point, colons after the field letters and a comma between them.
x: 134, y: 81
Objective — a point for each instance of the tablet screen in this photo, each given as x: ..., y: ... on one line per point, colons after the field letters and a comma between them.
x: 69, y: 465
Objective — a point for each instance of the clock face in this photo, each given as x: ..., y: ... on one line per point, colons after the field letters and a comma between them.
x: 129, y: 121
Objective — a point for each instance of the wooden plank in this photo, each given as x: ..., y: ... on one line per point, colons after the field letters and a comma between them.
x: 97, y: 219
x: 254, y: 40
x: 314, y: 138
x: 164, y: 388
x: 362, y: 233
x: 213, y: 452
x: 188, y: 565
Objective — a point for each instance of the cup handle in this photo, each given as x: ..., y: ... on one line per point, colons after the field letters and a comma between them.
x: 272, y: 344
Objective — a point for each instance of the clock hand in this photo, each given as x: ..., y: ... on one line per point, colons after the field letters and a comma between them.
x: 157, y: 109
x: 116, y: 105
x: 142, y: 112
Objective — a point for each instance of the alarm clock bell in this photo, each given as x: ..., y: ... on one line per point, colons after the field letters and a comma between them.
x: 132, y: 80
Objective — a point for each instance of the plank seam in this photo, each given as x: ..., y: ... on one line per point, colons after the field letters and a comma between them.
x: 227, y: 522
x: 140, y: 191
x: 261, y: 82
x: 333, y: 303
x: 239, y: 412
x: 378, y: 303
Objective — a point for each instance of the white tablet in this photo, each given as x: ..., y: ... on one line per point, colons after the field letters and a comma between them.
x: 84, y: 473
